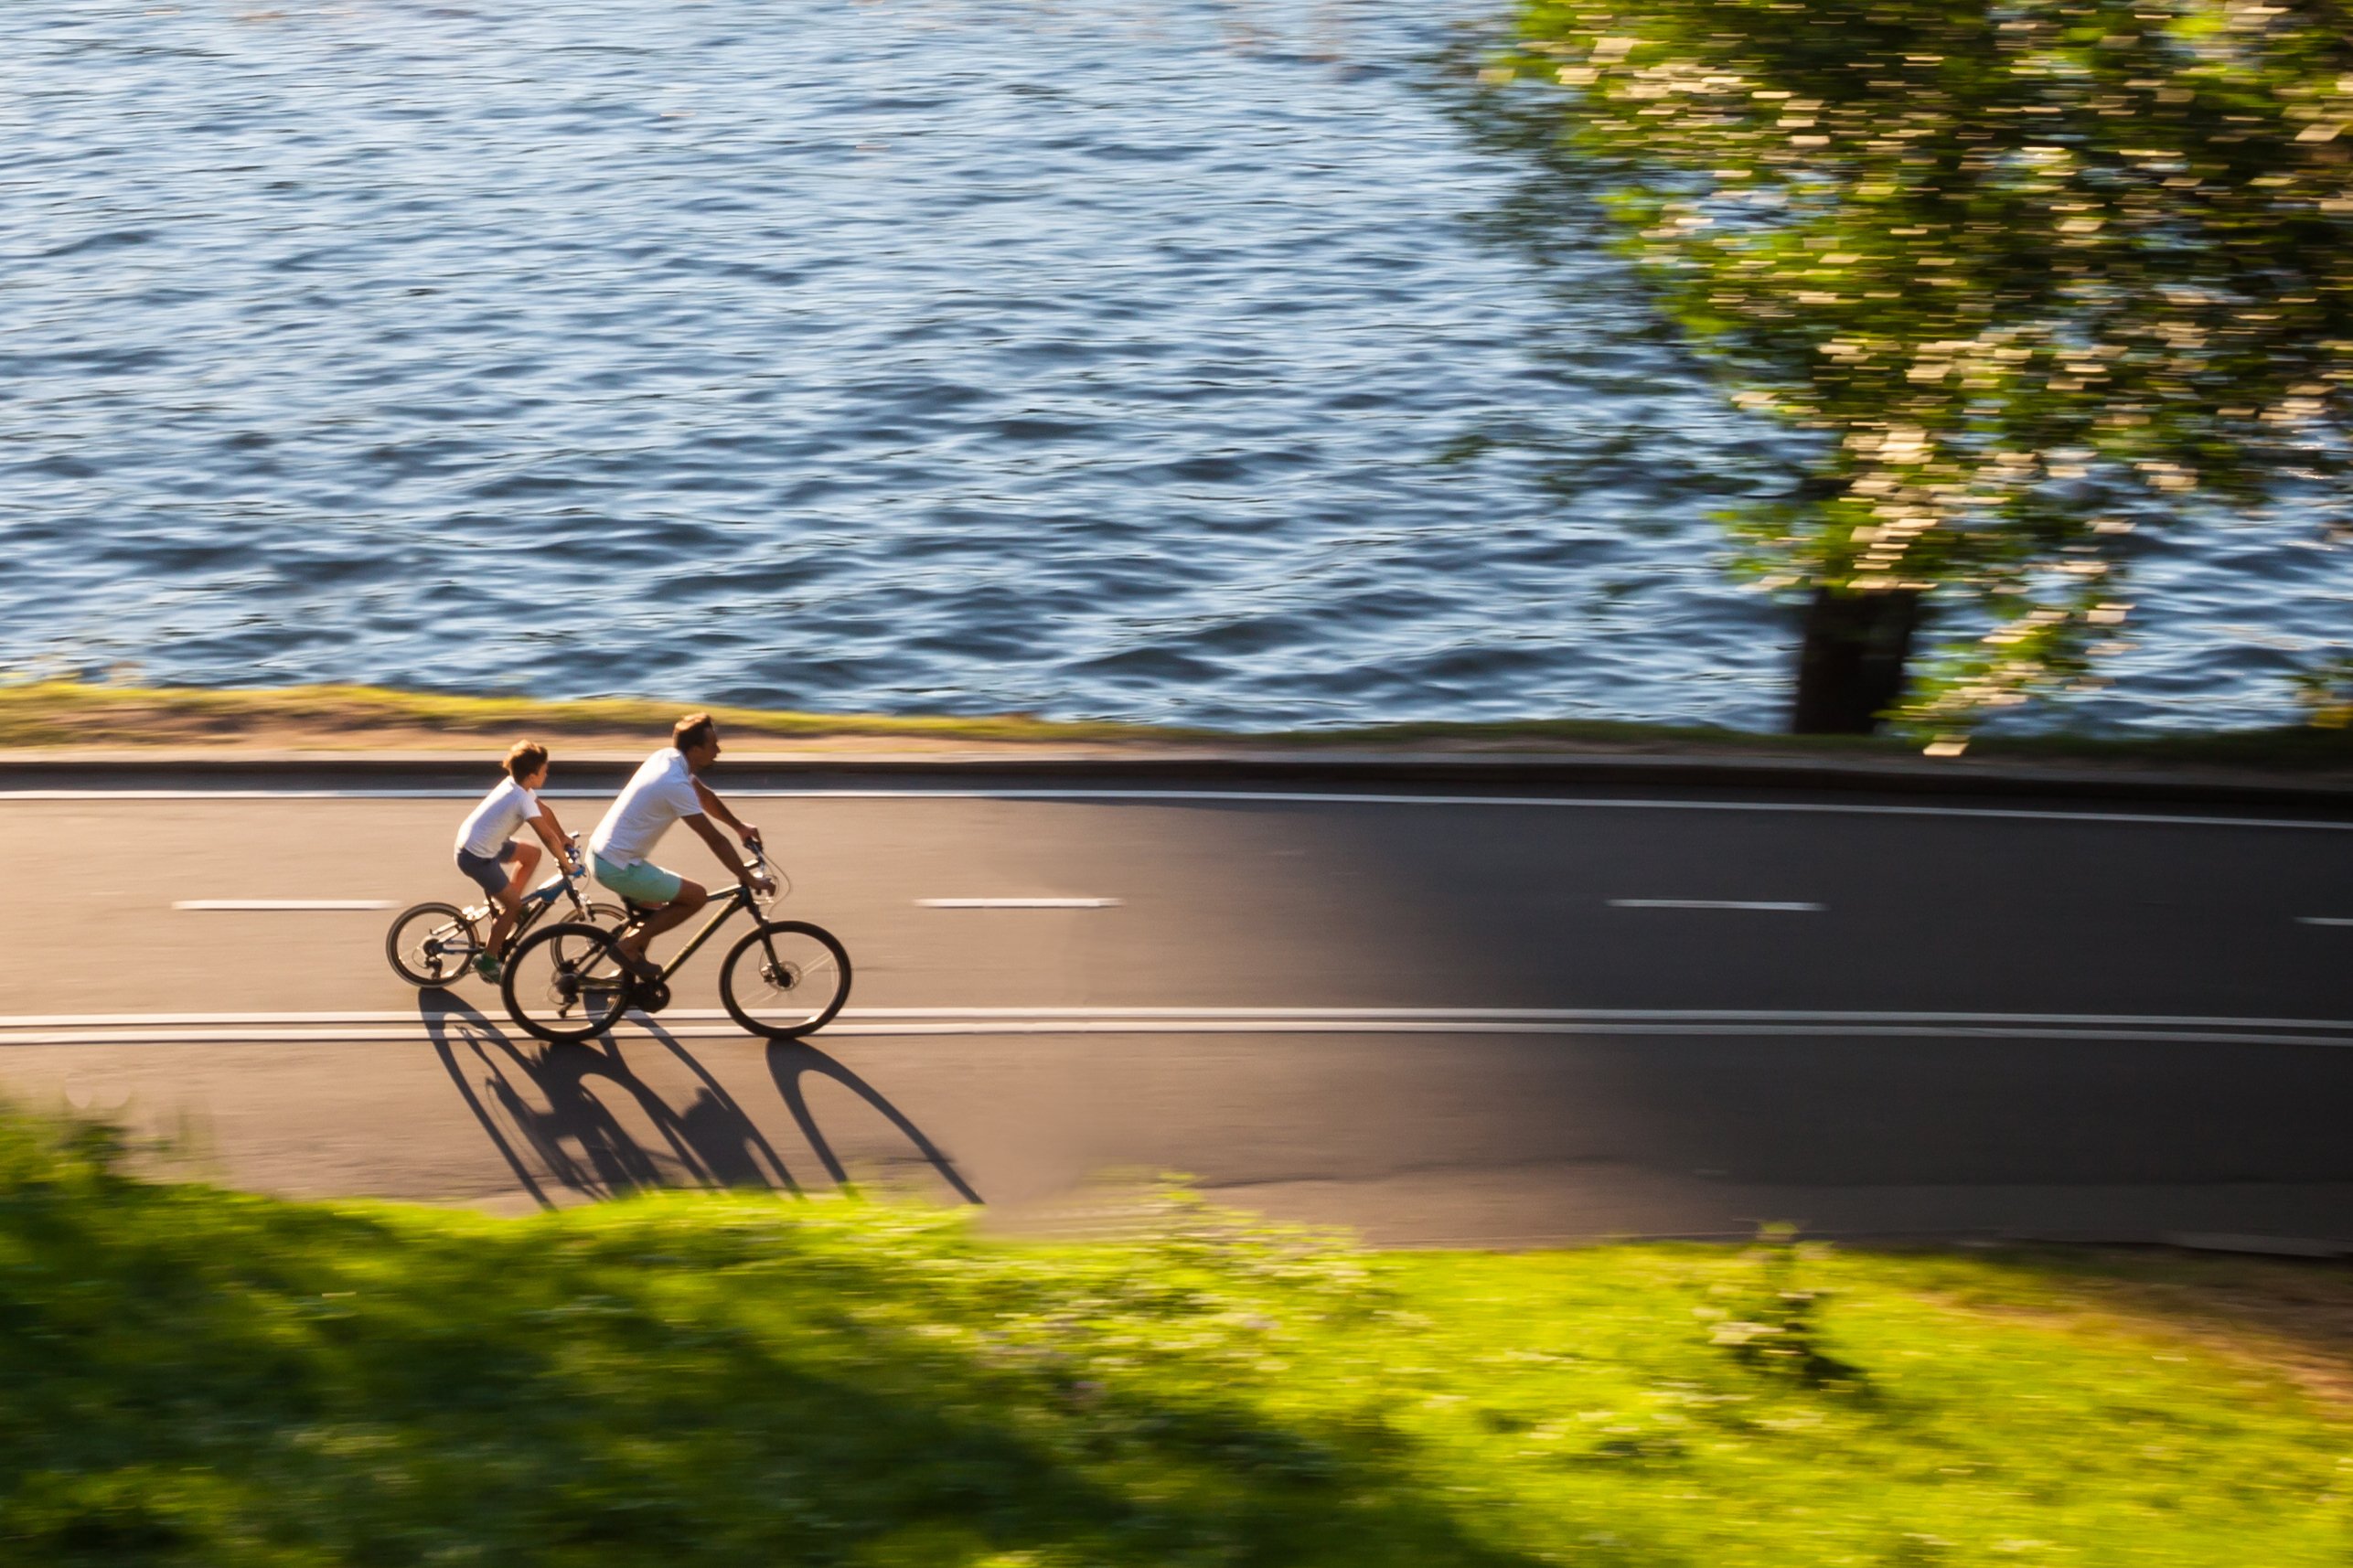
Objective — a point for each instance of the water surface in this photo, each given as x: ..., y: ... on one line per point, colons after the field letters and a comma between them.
x: 967, y: 356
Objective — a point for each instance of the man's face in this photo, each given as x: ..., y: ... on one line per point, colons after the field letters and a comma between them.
x: 702, y: 756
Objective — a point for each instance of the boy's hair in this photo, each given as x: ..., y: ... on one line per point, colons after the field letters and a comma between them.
x: 694, y: 730
x: 525, y: 758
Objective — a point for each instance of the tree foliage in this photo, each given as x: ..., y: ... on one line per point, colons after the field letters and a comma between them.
x: 2040, y: 273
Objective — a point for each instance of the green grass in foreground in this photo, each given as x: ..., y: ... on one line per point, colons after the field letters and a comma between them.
x: 73, y: 713
x: 203, y: 1376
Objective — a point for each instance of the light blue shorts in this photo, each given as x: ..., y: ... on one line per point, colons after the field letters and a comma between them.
x: 644, y: 883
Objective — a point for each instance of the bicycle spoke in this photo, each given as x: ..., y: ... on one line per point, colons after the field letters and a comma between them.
x: 564, y: 983
x: 429, y: 945
x: 785, y: 979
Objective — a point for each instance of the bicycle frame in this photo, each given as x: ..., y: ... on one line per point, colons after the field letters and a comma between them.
x: 739, y: 897
x: 535, y: 903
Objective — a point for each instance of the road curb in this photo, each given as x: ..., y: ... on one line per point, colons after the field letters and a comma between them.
x: 1209, y: 770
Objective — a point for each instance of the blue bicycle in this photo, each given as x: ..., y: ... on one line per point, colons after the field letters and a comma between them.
x: 432, y: 944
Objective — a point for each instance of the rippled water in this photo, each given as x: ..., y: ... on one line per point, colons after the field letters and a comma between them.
x: 963, y: 355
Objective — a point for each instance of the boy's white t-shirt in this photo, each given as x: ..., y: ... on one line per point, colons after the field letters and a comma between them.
x: 499, y: 817
x: 659, y: 793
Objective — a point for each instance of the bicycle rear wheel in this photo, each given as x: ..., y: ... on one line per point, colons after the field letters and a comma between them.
x: 431, y: 944
x: 565, y: 982
x: 785, y: 979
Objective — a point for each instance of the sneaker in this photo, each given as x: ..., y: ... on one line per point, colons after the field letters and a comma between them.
x: 487, y: 966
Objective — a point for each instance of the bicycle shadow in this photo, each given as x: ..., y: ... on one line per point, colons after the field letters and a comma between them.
x: 544, y: 1101
x: 792, y: 1061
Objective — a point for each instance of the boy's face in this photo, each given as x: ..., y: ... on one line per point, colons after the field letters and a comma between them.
x: 538, y: 781
x: 700, y: 757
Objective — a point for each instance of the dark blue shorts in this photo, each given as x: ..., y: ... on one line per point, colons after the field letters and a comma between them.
x: 493, y: 875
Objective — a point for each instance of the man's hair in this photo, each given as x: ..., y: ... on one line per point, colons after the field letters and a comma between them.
x: 525, y: 758
x: 694, y: 730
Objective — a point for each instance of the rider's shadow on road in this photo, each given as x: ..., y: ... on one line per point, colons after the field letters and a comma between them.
x: 551, y: 1114
x: 543, y: 1110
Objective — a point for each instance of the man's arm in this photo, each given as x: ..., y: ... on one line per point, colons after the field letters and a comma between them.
x: 721, y: 847
x: 718, y: 808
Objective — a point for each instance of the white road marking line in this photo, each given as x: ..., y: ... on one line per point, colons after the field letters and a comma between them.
x: 1016, y: 903
x: 418, y: 1035
x: 1180, y: 1014
x: 87, y: 795
x: 686, y: 1023
x: 2324, y: 920
x: 280, y: 904
x: 1717, y: 904
x: 1212, y: 797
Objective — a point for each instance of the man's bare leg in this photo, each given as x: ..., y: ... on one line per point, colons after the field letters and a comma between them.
x: 669, y: 916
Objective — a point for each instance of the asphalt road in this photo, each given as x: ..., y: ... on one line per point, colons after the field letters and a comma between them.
x: 1442, y: 1019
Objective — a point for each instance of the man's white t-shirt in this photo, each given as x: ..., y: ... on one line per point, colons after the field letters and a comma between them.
x: 660, y: 793
x: 499, y: 817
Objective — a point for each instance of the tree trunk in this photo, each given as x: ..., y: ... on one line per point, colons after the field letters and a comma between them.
x: 1851, y: 666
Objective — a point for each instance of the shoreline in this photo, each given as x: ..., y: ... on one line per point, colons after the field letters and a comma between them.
x: 75, y: 722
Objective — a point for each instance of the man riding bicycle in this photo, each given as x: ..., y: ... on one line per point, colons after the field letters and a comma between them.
x: 666, y: 789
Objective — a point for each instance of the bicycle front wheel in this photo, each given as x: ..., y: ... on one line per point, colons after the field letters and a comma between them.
x: 565, y: 982
x: 431, y: 944
x: 785, y: 979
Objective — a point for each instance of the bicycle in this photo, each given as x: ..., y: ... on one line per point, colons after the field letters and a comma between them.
x: 785, y: 978
x: 432, y: 944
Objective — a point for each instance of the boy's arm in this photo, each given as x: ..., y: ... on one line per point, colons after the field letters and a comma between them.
x: 552, y: 833
x: 717, y: 807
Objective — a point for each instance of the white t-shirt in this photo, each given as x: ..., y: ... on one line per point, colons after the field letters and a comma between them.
x: 500, y: 815
x: 660, y: 793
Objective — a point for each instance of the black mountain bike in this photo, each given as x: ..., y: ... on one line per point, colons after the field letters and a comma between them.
x: 785, y: 979
x: 431, y: 944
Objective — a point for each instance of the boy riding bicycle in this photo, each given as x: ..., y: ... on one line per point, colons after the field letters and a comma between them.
x: 487, y: 853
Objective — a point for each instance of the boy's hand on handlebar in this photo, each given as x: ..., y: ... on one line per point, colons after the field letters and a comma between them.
x: 751, y: 838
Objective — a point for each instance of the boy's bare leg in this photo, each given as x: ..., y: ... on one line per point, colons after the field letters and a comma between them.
x: 691, y: 897
x: 508, y: 900
x: 502, y: 923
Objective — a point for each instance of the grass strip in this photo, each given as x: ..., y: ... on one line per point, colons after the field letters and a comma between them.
x: 50, y: 713
x: 197, y: 1376
x: 59, y: 713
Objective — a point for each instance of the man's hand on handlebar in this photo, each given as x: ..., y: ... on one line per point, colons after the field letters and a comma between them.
x: 753, y: 873
x: 752, y: 839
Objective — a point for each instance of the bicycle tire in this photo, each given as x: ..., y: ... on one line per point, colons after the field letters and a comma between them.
x: 430, y: 959
x: 758, y: 974
x: 612, y: 917
x: 565, y: 982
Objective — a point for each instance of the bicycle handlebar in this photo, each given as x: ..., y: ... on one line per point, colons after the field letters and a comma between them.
x: 759, y: 865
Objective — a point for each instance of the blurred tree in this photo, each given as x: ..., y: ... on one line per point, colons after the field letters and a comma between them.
x: 2034, y: 271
